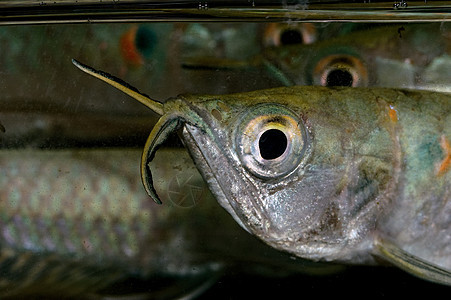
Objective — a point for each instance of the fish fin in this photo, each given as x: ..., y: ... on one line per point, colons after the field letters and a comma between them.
x: 412, y: 264
x: 214, y: 63
x: 188, y: 287
x: 164, y: 127
x: 122, y: 86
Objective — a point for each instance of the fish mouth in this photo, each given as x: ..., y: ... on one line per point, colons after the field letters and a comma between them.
x: 234, y: 192
x: 173, y: 114
x: 178, y: 113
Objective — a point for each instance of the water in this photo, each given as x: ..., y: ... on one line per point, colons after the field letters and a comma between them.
x: 47, y: 103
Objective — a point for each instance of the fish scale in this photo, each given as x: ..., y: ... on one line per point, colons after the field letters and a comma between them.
x: 87, y: 192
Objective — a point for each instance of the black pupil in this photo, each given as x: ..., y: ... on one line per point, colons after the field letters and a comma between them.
x: 291, y: 37
x: 339, y: 77
x: 272, y: 144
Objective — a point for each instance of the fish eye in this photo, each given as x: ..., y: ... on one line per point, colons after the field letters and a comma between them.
x: 279, y: 34
x: 340, y: 70
x: 137, y: 44
x: 339, y: 77
x: 145, y: 40
x: 270, y: 141
x: 291, y: 37
x: 272, y: 144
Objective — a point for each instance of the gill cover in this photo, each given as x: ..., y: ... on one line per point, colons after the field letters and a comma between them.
x: 173, y: 115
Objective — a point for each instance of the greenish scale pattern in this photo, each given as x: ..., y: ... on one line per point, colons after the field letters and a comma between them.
x: 83, y: 209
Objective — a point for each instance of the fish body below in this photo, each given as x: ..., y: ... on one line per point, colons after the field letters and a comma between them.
x: 77, y: 222
x: 327, y: 174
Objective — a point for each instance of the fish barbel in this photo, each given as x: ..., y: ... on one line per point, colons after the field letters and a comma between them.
x: 327, y: 174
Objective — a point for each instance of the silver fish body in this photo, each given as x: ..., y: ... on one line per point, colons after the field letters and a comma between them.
x: 327, y: 174
x: 77, y: 222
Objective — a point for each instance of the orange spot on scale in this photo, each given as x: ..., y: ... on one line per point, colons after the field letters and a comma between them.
x: 128, y: 47
x: 446, y: 162
x: 392, y: 114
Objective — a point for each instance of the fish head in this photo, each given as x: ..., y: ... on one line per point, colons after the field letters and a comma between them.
x: 280, y: 166
x: 250, y: 155
x: 283, y: 162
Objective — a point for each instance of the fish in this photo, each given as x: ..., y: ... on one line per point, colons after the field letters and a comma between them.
x: 368, y: 57
x: 76, y: 222
x: 364, y: 56
x: 349, y: 175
